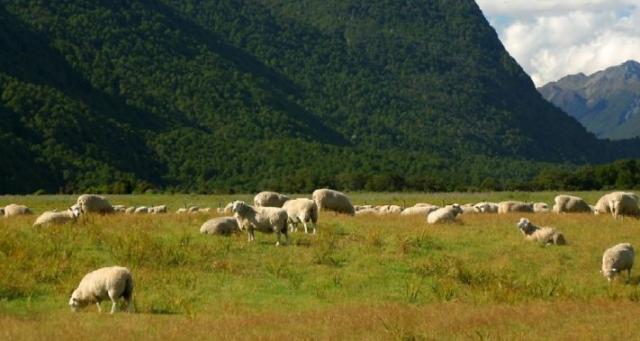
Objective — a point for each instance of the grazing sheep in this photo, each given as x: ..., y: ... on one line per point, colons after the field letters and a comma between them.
x: 423, y: 209
x: 92, y: 203
x: 486, y: 207
x: 269, y: 199
x: 110, y: 282
x: 263, y: 219
x: 368, y: 211
x: 545, y: 235
x: 181, y: 210
x: 514, y: 206
x: 119, y: 208
x: 58, y: 218
x: 616, y: 259
x: 618, y: 203
x: 468, y: 208
x: 445, y: 214
x: 362, y: 207
x: 330, y: 200
x: 389, y: 209
x: 220, y: 226
x: 301, y: 211
x: 12, y: 210
x: 540, y: 207
x: 570, y: 204
x: 158, y: 209
x: 130, y: 210
x: 193, y: 209
x: 141, y: 210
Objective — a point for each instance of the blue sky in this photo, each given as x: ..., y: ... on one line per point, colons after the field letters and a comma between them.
x: 554, y: 38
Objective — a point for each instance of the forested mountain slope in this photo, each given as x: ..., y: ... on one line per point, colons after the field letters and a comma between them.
x: 242, y: 95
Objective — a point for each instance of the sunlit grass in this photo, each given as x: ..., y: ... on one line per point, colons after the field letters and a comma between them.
x: 388, y: 277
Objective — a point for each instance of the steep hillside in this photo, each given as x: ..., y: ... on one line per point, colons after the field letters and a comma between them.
x: 607, y: 103
x: 243, y: 95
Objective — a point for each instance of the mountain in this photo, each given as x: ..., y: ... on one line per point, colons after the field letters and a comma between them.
x: 241, y: 95
x: 607, y: 103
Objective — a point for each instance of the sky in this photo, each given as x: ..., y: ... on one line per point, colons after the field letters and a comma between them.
x: 554, y: 38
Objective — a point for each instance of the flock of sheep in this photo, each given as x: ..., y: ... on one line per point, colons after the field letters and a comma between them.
x: 276, y: 213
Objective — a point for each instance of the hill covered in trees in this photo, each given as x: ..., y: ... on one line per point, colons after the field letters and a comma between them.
x: 234, y: 95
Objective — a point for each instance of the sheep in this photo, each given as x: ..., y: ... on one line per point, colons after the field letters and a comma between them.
x: 514, y: 206
x: 92, y: 203
x: 424, y: 209
x: 220, y: 226
x: 540, y: 207
x: 616, y: 259
x: 619, y: 204
x: 141, y: 210
x: 486, y: 207
x: 364, y: 211
x: 570, y: 204
x: 109, y: 282
x: 130, y: 210
x: 362, y: 207
x: 1, y: 211
x: 120, y: 208
x: 158, y: 209
x: 193, y: 209
x: 301, y: 211
x: 181, y: 210
x: 269, y: 199
x: 12, y: 210
x: 263, y: 219
x: 468, y: 208
x: 546, y: 235
x: 58, y: 218
x: 328, y: 199
x: 445, y: 214
x: 389, y: 209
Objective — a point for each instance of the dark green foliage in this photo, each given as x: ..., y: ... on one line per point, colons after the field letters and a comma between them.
x: 230, y: 95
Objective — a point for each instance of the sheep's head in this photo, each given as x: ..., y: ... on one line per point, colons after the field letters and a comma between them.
x: 456, y: 208
x: 237, y: 206
x: 524, y: 225
x: 609, y: 273
x: 75, y: 211
x: 75, y: 302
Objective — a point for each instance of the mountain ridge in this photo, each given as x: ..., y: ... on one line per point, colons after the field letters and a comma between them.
x: 607, y: 102
x: 237, y: 95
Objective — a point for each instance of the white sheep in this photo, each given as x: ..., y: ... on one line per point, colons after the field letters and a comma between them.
x: 130, y: 210
x: 92, y: 203
x: 301, y: 211
x: 328, y: 199
x: 226, y: 209
x: 263, y: 219
x: 120, y: 208
x: 570, y: 204
x: 109, y: 282
x: 486, y: 207
x: 58, y: 218
x: 158, y: 209
x: 181, y: 210
x: 269, y: 199
x: 12, y: 210
x: 514, y: 206
x: 616, y: 259
x: 468, y: 208
x: 545, y: 235
x: 389, y: 209
x: 422, y: 209
x: 445, y: 214
x: 141, y: 210
x: 540, y: 207
x: 193, y: 209
x: 619, y: 204
x: 220, y: 226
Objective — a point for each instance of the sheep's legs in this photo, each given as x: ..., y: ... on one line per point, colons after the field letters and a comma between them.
x: 305, y: 227
x: 98, y: 305
x: 113, y: 306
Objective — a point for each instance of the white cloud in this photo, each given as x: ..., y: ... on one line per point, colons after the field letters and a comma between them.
x: 551, y: 39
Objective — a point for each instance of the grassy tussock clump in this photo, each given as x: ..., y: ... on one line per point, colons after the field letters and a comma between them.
x: 364, y: 276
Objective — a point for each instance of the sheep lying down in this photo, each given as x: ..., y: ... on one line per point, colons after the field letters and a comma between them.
x: 110, y: 283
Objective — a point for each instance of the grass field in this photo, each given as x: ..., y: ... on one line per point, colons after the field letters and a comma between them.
x: 364, y: 277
